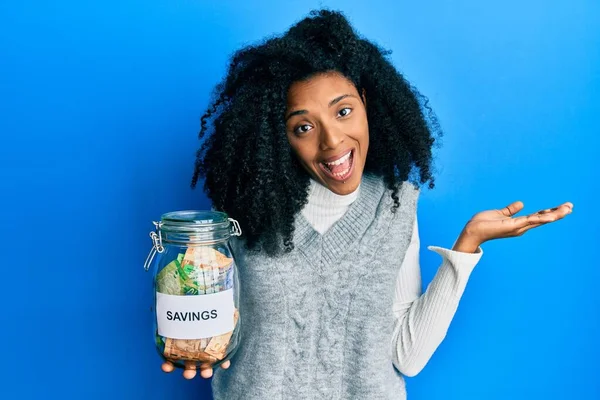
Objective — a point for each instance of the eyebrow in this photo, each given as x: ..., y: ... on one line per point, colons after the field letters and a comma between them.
x: 331, y: 103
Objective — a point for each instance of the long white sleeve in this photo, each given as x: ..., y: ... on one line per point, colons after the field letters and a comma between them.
x: 421, y: 320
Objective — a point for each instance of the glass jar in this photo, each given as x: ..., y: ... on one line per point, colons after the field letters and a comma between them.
x: 196, y: 318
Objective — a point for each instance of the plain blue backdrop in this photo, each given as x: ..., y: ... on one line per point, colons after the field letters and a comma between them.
x: 99, y: 111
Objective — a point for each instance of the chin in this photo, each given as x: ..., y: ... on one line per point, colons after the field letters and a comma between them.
x: 342, y: 188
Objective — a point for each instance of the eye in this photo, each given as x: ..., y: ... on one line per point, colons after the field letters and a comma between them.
x: 344, y: 112
x: 302, y: 129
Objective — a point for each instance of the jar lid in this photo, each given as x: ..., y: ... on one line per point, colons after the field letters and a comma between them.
x: 194, y: 217
x: 193, y: 226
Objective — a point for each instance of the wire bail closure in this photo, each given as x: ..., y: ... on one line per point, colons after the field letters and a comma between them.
x: 157, y: 246
x: 236, y: 230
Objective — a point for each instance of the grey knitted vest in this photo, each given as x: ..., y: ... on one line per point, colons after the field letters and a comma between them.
x: 317, y: 322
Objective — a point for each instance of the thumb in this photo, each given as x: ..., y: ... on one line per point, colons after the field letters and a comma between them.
x: 512, y: 209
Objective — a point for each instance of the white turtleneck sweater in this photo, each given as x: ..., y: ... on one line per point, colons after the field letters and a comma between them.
x: 421, y: 320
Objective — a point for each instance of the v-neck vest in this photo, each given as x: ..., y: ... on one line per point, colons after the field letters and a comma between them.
x: 317, y: 321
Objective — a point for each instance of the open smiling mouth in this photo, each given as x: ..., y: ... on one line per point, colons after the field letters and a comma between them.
x: 339, y: 169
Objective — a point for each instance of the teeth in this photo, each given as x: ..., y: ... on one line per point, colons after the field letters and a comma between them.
x: 340, y: 174
x: 339, y: 161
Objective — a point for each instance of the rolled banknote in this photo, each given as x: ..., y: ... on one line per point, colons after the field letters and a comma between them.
x: 203, y: 350
x: 217, y: 347
x: 206, y: 270
x: 186, y: 349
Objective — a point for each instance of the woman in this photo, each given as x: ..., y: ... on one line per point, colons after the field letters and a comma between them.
x: 319, y: 148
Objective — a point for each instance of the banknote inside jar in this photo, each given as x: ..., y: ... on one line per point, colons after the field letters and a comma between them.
x: 200, y: 270
x: 200, y: 351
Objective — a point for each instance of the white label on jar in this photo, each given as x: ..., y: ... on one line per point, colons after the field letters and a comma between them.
x: 194, y: 317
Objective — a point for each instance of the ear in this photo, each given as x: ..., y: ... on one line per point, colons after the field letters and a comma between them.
x: 364, y: 97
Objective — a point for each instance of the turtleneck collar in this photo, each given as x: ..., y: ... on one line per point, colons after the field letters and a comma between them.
x: 325, y: 207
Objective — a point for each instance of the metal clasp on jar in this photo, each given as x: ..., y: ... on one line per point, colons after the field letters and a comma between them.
x: 236, y: 230
x: 157, y: 246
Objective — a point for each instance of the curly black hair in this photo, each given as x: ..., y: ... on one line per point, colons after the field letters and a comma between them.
x: 249, y: 167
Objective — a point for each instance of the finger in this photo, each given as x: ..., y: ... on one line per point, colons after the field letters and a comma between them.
x: 556, y: 212
x: 226, y: 364
x: 542, y: 217
x: 512, y: 209
x: 528, y: 227
x: 547, y: 210
x: 190, y: 370
x: 526, y: 220
x: 206, y: 371
x: 566, y: 208
x: 167, y: 367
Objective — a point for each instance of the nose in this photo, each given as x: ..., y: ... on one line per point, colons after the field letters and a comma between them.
x: 331, y: 137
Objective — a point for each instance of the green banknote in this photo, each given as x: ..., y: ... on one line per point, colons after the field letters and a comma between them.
x: 169, y: 279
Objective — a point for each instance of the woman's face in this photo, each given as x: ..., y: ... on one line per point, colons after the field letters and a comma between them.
x: 326, y: 125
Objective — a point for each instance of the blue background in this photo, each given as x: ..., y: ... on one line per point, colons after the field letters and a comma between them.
x: 99, y: 111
